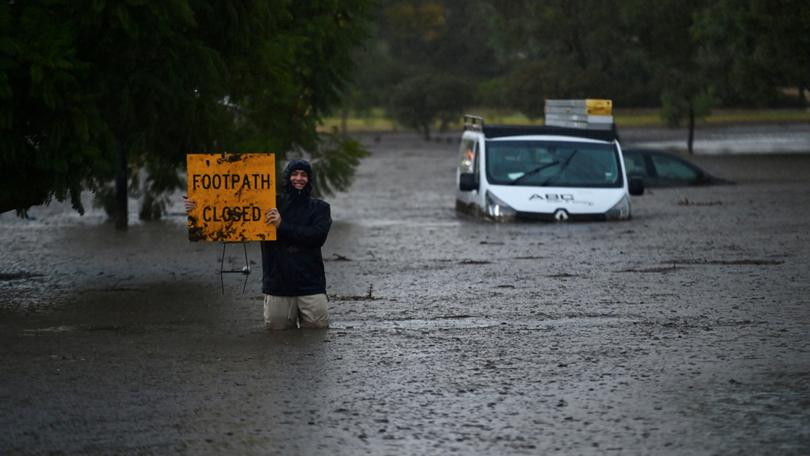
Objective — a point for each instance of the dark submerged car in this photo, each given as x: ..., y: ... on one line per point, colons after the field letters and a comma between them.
x: 663, y: 169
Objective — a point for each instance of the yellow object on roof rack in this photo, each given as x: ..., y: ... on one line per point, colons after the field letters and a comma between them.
x: 599, y: 107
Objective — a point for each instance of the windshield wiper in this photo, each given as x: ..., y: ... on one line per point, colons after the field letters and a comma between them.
x: 533, y: 172
x: 562, y: 168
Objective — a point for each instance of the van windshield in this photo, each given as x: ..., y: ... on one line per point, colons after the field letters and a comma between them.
x: 553, y: 164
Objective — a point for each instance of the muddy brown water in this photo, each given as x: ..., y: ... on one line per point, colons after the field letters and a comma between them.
x: 685, y: 330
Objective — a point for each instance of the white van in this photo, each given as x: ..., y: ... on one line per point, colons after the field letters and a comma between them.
x: 550, y: 172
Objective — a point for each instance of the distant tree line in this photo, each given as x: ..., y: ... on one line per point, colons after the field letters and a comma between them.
x: 111, y: 95
x: 429, y: 60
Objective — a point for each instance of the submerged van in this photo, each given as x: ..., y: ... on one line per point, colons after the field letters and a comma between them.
x: 570, y: 170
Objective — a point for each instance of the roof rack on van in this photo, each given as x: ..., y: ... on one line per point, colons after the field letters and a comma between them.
x: 472, y: 122
x: 499, y: 131
x: 587, y: 118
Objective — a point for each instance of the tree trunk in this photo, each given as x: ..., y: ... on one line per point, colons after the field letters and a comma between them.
x: 443, y: 127
x: 344, y: 121
x: 121, y: 197
x: 691, y: 129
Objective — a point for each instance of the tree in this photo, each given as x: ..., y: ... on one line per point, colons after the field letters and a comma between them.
x: 569, y: 49
x: 113, y: 88
x: 414, y: 30
x: 422, y: 100
x: 782, y: 33
x: 752, y: 48
x: 681, y: 56
x: 666, y: 35
x: 428, y: 41
x: 334, y: 161
x: 52, y: 134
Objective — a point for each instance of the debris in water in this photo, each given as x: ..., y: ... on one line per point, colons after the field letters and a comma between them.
x: 686, y: 202
x: 662, y: 269
x: 369, y: 296
x: 20, y: 275
x: 474, y: 262
x: 738, y: 262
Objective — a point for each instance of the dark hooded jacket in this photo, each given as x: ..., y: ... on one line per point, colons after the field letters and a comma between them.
x: 292, y: 264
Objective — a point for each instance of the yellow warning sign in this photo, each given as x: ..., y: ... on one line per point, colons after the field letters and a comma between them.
x: 599, y: 107
x: 232, y: 193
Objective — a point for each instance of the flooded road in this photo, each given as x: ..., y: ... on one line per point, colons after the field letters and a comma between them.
x: 685, y: 330
x: 731, y: 139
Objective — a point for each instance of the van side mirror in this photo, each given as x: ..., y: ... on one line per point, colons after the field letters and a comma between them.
x: 636, y: 186
x: 466, y: 182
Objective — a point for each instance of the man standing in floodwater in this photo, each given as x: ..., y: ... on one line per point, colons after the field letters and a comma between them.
x: 293, y: 278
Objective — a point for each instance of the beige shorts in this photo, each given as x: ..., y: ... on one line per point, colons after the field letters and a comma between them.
x: 287, y: 312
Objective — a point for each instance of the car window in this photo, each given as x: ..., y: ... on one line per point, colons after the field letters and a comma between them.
x: 634, y: 162
x: 477, y: 160
x: 668, y: 167
x: 467, y: 155
x: 552, y: 163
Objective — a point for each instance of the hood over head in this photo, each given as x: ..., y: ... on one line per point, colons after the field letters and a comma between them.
x: 294, y: 165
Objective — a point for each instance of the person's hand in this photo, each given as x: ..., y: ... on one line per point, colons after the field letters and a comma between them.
x: 273, y: 217
x: 189, y: 203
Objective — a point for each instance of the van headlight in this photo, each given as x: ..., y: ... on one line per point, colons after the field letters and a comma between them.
x: 621, y: 210
x: 497, y: 209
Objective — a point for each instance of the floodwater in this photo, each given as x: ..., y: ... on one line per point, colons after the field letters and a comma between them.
x: 685, y: 330
x: 734, y: 139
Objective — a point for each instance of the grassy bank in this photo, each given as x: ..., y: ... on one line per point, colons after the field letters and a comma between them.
x: 376, y: 120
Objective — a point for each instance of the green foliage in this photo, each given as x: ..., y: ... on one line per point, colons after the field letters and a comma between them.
x: 526, y: 89
x: 782, y: 40
x: 414, y: 29
x: 680, y: 55
x: 52, y: 135
x: 154, y: 80
x: 669, y: 45
x: 676, y: 107
x: 422, y: 100
x: 492, y: 93
x: 334, y: 162
x: 92, y: 87
x: 528, y: 86
x: 438, y: 43
x: 752, y: 48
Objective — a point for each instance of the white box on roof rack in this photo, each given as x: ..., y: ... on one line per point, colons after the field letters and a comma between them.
x: 584, y: 106
x: 586, y: 113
